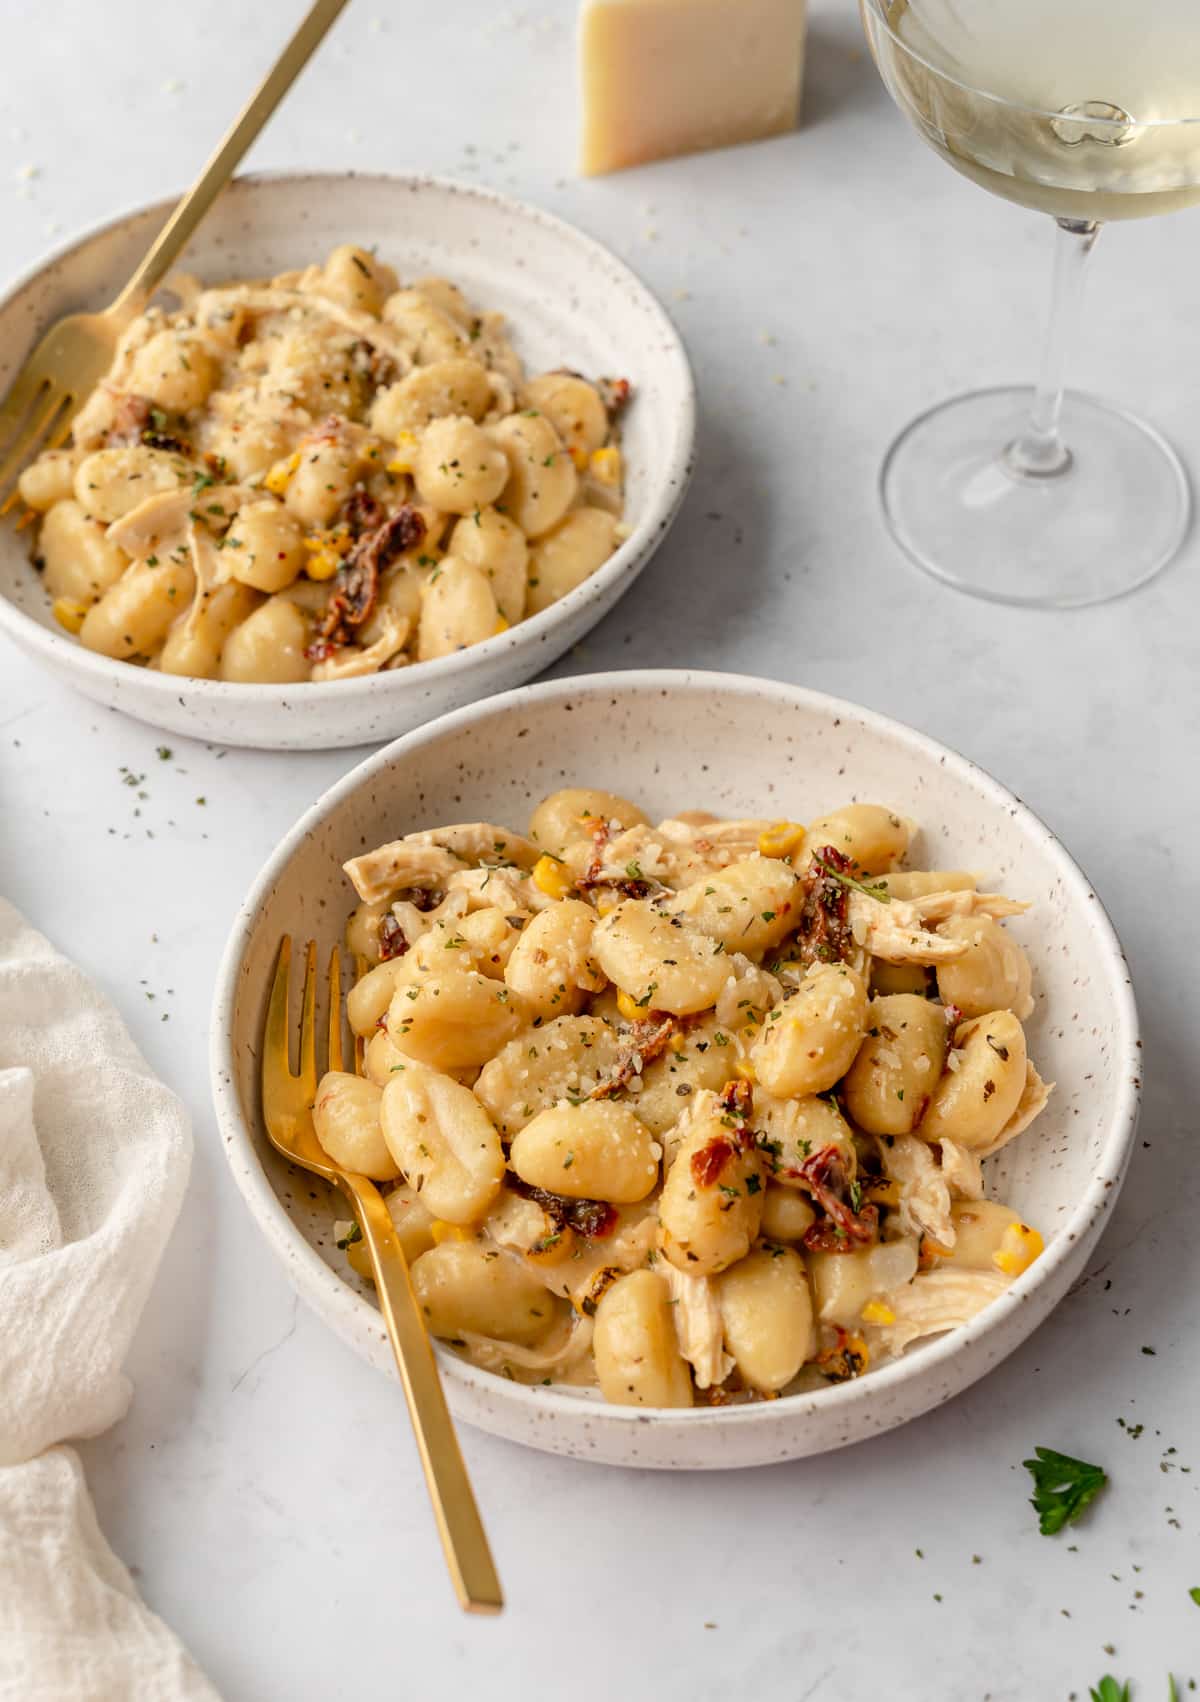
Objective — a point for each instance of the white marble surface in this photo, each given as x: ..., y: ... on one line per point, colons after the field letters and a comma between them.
x: 829, y: 284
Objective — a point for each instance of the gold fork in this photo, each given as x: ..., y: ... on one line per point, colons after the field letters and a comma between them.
x: 287, y: 1111
x: 75, y: 353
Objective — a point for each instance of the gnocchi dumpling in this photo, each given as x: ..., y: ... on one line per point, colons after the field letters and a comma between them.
x: 442, y: 1141
x: 809, y: 1042
x: 346, y: 1118
x: 366, y: 460
x: 647, y: 1125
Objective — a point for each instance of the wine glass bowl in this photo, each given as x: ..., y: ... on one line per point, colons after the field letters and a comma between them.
x: 1035, y: 496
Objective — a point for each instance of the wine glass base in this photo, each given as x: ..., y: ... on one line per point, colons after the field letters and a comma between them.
x: 1108, y: 523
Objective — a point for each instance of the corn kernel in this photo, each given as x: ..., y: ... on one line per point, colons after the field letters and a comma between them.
x: 336, y: 538
x: 359, y: 1260
x: 68, y: 613
x: 553, y: 878
x: 501, y: 626
x: 449, y: 1232
x: 629, y: 1008
x: 1018, y: 1248
x: 579, y: 455
x: 606, y: 466
x: 875, y: 1312
x: 280, y: 475
x: 323, y: 565
x: 781, y: 839
x: 405, y: 458
x: 607, y: 903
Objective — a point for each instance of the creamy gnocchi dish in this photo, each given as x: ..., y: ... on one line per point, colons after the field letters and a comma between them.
x: 320, y: 477
x: 694, y: 1111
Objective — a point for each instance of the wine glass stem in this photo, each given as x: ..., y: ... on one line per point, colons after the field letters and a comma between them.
x: 1039, y: 452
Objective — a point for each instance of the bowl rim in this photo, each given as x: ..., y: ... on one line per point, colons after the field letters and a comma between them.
x: 671, y: 477
x: 349, y: 1311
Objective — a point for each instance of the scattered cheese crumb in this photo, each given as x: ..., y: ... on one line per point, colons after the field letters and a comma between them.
x: 172, y: 86
x: 27, y: 171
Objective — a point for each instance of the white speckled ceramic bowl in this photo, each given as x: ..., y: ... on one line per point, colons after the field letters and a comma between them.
x: 569, y: 302
x: 676, y: 741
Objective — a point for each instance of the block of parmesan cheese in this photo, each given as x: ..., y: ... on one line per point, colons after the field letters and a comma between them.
x: 664, y: 77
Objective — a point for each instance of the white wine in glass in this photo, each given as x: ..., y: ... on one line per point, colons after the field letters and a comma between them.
x: 1088, y: 110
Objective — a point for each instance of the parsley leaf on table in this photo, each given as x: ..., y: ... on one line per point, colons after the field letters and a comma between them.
x: 1062, y: 1488
x: 1194, y: 1592
x: 1108, y: 1690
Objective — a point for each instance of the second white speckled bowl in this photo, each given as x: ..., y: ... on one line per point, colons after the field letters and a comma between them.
x: 569, y: 302
x: 676, y: 741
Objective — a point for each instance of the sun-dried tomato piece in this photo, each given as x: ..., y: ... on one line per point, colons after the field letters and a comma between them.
x: 594, y: 1219
x: 615, y: 393
x: 823, y: 931
x: 356, y: 588
x: 842, y: 1228
x: 709, y: 1161
x: 393, y: 941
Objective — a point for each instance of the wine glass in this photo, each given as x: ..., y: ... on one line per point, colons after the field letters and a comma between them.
x: 1044, y: 497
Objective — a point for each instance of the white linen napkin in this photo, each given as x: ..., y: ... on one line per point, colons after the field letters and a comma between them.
x: 94, y: 1157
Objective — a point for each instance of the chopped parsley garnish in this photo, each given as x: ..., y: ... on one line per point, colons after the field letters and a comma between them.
x: 1063, y: 1488
x: 353, y: 1234
x: 1108, y: 1690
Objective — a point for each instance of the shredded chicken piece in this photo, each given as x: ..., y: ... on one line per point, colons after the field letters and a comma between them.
x: 565, y: 1349
x: 1033, y: 1100
x: 414, y: 922
x: 351, y: 662
x: 741, y: 835
x: 206, y: 568
x: 480, y: 842
x: 163, y: 520
x: 502, y: 889
x: 924, y: 1207
x: 693, y: 850
x: 963, y: 1172
x: 259, y: 301
x: 897, y: 930
x: 403, y: 862
x: 698, y: 1324
x: 937, y: 1301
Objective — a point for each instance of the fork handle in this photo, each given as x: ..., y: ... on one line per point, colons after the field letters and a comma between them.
x: 178, y: 229
x: 459, y: 1525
